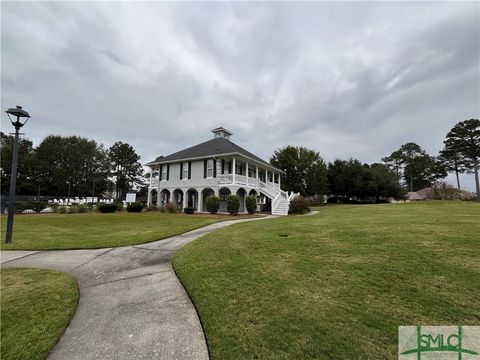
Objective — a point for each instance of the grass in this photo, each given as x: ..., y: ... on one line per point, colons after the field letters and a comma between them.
x: 94, y: 230
x: 335, y: 285
x: 36, y: 307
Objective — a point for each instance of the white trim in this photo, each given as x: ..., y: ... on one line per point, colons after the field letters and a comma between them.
x: 262, y: 164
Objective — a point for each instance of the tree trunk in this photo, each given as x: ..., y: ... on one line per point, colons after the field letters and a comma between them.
x: 458, y: 179
x: 477, y: 184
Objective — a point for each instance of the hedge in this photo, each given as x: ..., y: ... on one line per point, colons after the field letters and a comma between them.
x: 107, y: 208
x: 135, y: 207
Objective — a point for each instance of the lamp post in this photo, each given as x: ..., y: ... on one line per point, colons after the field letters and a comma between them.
x: 21, y: 119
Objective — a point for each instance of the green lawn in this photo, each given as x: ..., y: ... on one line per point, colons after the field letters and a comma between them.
x: 94, y: 230
x: 36, y: 307
x: 335, y: 285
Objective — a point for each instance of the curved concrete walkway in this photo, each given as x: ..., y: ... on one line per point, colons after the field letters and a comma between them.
x: 132, y: 306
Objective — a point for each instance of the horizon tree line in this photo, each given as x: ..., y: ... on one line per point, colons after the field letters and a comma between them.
x: 410, y: 168
x: 70, y: 166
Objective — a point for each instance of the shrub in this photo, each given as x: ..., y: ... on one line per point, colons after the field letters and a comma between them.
x: 21, y: 205
x: 135, y: 207
x: 107, y: 208
x: 151, y: 208
x: 233, y: 204
x: 83, y: 209
x: 171, y: 208
x: 62, y: 209
x: 189, y: 210
x: 251, y: 204
x: 212, y: 203
x: 298, y: 205
x: 38, y: 205
x: 161, y: 209
x: 73, y: 209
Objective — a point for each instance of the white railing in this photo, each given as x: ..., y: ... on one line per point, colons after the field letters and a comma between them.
x: 252, y: 182
x: 225, y: 179
x: 241, y: 179
x: 153, y: 183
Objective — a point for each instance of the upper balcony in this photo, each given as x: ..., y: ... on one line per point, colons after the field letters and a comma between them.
x: 227, y: 179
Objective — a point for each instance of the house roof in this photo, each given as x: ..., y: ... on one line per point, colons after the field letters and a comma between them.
x: 213, y: 147
x: 414, y: 196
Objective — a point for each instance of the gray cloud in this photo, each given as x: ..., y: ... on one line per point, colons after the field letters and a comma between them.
x: 348, y: 79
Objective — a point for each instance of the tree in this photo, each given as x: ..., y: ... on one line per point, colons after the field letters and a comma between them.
x: 126, y: 168
x: 464, y: 137
x: 25, y: 179
x: 345, y: 178
x: 349, y: 178
x: 419, y: 169
x: 394, y: 162
x: 452, y: 158
x: 71, y: 162
x: 305, y: 171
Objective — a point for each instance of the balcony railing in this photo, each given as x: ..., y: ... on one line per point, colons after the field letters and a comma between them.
x: 227, y: 179
x: 154, y: 183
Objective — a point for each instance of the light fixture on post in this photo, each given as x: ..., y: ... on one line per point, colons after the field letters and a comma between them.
x: 20, y: 118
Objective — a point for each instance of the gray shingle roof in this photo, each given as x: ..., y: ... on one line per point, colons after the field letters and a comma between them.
x: 213, y: 147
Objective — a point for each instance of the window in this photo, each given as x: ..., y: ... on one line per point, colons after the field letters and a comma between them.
x: 210, y: 168
x: 164, y: 173
x: 185, y: 170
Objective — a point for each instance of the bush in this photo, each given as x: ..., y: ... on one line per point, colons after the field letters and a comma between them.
x: 107, y: 208
x: 73, y: 209
x: 83, y: 209
x: 171, y: 208
x: 62, y: 209
x: 35, y: 205
x: 189, y: 210
x: 298, y: 205
x: 135, y: 207
x: 233, y: 204
x: 213, y: 204
x: 20, y: 206
x: 161, y: 209
x: 251, y: 204
x: 151, y: 208
x: 38, y: 205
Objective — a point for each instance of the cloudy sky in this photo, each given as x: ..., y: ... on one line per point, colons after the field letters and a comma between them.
x: 347, y: 79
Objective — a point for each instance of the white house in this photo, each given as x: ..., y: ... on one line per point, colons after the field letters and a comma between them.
x: 220, y: 167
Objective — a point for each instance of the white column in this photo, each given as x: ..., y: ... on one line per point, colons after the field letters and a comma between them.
x: 266, y: 176
x: 149, y: 197
x: 279, y: 180
x: 234, y: 169
x: 246, y: 173
x: 185, y: 199
x: 159, y: 198
x: 200, y: 199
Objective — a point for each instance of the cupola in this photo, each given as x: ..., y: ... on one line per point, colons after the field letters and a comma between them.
x: 221, y: 132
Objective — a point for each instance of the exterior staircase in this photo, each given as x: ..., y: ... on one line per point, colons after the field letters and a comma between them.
x: 280, y: 199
